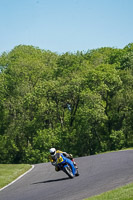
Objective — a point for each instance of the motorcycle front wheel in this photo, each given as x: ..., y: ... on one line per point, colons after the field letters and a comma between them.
x: 68, y: 171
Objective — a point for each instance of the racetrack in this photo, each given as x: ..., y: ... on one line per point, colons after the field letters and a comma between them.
x: 98, y: 174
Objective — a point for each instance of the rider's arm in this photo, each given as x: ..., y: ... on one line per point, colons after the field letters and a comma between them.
x: 67, y: 155
x: 53, y: 162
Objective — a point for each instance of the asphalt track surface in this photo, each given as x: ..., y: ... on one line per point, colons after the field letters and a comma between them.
x: 98, y: 173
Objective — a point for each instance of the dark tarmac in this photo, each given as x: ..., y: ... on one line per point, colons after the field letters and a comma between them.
x: 98, y: 173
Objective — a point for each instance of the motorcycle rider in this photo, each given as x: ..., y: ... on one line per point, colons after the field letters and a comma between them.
x: 53, y: 158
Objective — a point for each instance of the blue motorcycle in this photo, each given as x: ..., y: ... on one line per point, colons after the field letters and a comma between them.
x: 66, y: 165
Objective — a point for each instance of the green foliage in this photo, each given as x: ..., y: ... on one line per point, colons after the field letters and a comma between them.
x: 81, y: 103
x: 8, y: 149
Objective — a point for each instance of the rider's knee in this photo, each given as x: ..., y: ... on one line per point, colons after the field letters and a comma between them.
x: 57, y: 168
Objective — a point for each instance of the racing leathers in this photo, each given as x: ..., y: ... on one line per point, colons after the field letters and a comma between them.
x: 53, y: 159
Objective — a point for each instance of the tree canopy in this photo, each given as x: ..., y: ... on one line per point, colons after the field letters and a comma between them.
x: 78, y: 102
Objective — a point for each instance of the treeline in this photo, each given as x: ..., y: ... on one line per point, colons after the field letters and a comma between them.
x: 79, y: 102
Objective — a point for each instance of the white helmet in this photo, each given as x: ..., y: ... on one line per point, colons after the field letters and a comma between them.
x: 52, y: 151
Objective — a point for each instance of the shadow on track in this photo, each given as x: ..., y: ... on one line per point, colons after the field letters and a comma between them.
x: 54, y: 180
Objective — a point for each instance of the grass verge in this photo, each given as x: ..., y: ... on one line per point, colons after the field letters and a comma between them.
x: 9, y: 172
x: 122, y: 193
x: 124, y: 149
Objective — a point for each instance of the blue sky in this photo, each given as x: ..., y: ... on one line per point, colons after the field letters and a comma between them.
x: 66, y: 25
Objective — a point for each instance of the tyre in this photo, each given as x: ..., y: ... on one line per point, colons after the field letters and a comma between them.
x: 68, y: 171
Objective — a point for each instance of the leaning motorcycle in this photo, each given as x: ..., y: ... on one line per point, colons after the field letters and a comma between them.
x: 66, y: 165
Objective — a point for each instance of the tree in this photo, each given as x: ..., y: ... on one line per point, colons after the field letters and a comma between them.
x: 79, y: 102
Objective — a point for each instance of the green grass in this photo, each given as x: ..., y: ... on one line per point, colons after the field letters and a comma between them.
x: 131, y: 148
x: 124, y: 149
x: 122, y: 193
x: 9, y: 172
